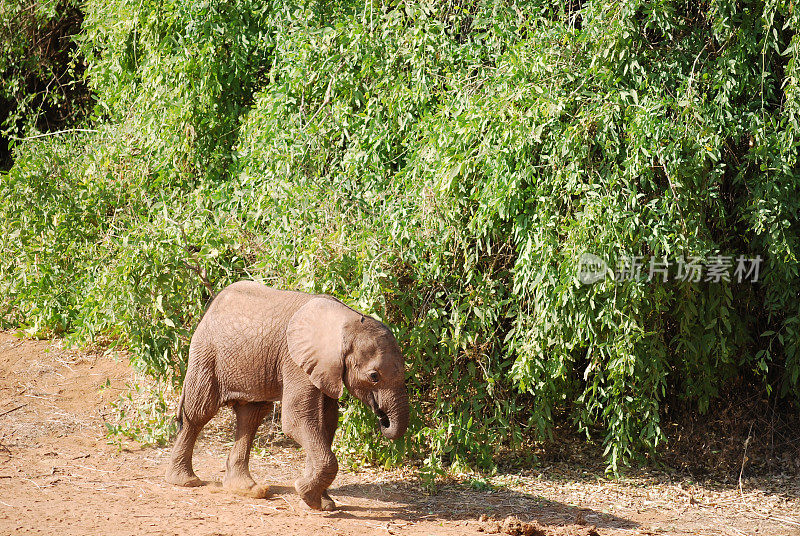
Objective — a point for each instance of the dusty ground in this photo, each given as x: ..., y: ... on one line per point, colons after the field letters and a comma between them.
x: 59, y: 475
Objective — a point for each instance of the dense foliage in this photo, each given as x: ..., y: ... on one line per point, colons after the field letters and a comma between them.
x: 443, y: 166
x: 41, y: 81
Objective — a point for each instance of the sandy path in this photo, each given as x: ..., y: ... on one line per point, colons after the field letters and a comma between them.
x: 59, y: 475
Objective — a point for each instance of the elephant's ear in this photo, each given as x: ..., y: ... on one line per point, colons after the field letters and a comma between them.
x: 315, y: 336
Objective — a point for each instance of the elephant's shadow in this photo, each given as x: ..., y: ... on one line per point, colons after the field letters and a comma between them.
x: 462, y: 503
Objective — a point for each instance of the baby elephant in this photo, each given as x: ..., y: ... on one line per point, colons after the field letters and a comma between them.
x: 257, y: 345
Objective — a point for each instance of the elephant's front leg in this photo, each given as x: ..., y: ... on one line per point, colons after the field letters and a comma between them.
x: 321, y: 464
x: 237, y: 471
x: 326, y: 503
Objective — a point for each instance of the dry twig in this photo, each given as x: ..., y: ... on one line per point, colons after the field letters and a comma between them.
x: 13, y: 409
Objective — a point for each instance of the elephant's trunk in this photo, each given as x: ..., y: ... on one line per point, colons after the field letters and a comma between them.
x: 392, y: 412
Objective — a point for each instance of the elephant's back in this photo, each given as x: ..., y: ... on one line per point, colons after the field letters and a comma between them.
x: 259, y: 291
x: 250, y: 309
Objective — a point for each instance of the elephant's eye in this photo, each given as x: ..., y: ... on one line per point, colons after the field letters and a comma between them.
x: 373, y: 377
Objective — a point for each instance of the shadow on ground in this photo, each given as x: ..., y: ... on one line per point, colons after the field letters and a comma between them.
x: 462, y: 503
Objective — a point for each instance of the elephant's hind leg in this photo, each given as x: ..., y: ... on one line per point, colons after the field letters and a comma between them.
x: 237, y: 471
x: 197, y: 407
x: 180, y: 471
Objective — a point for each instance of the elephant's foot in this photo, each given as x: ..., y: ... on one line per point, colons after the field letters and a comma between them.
x: 182, y: 478
x: 315, y: 501
x: 257, y: 491
x: 327, y: 503
x: 246, y: 486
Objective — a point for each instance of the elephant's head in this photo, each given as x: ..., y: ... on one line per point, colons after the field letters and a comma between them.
x: 339, y: 347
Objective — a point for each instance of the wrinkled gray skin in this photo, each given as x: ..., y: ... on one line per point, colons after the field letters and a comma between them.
x: 257, y: 345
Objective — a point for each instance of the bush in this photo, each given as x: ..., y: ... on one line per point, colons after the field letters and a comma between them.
x: 42, y: 86
x: 442, y: 167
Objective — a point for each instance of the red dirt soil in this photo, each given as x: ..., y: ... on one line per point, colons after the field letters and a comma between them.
x: 59, y: 474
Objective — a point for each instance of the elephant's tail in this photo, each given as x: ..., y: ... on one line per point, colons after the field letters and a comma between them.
x: 179, y: 413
